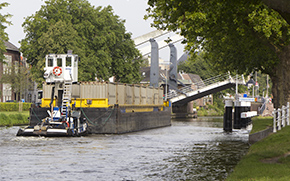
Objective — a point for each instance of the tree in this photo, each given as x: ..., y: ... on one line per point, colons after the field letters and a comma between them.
x: 198, y: 65
x: 236, y: 35
x: 3, y: 35
x: 17, y: 76
x: 97, y: 35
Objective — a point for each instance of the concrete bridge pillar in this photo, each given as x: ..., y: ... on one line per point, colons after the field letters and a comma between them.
x: 173, y: 65
x: 154, y: 68
x: 228, y: 116
x: 183, y: 111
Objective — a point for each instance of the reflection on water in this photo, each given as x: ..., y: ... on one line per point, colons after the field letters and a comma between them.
x: 188, y: 150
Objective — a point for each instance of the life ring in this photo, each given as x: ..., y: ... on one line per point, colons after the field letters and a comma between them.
x: 57, y: 71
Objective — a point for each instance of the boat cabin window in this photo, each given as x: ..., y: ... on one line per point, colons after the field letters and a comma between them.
x: 75, y: 62
x: 50, y: 62
x: 68, y: 62
x: 59, y: 62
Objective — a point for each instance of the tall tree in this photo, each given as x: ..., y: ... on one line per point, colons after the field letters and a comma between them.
x: 237, y: 35
x: 198, y: 65
x: 97, y: 35
x: 3, y: 35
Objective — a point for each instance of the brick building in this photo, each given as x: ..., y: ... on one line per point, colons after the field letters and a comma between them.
x: 12, y: 56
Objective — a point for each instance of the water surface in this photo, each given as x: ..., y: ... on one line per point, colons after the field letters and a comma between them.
x: 190, y: 149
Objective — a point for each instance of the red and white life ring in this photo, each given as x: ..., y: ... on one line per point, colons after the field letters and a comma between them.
x: 57, y: 71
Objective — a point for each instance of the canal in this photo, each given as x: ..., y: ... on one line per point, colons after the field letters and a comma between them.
x: 191, y: 149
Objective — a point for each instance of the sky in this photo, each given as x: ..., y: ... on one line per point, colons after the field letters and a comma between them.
x: 132, y: 11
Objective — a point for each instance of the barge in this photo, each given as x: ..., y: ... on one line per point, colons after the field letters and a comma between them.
x: 102, y: 107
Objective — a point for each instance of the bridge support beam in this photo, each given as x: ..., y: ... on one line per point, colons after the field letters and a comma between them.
x: 183, y: 111
x: 241, y: 106
x: 228, y: 116
x: 154, y: 68
x: 173, y: 66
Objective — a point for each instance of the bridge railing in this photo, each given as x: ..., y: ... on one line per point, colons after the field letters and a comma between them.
x: 281, y: 117
x: 204, y: 83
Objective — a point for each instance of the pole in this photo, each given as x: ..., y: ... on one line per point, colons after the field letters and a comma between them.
x: 267, y: 85
x: 237, y: 87
x: 287, y: 114
x: 166, y: 85
x: 274, y: 121
x: 257, y: 86
x: 253, y: 91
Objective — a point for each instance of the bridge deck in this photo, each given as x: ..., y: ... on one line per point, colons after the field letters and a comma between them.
x: 209, y: 86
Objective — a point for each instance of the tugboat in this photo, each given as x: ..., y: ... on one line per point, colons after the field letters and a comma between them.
x: 57, y: 125
x: 63, y: 120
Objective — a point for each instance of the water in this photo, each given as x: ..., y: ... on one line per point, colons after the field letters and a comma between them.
x: 192, y: 149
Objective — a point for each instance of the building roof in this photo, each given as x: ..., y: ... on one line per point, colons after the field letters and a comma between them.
x: 10, y: 46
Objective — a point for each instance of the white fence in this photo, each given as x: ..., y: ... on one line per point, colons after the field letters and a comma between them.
x: 280, y: 118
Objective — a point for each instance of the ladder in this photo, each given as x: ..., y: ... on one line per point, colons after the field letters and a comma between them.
x: 66, y: 98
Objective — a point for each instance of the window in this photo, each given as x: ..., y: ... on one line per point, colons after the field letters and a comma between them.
x: 7, y: 64
x: 39, y: 95
x: 50, y: 62
x: 16, y: 66
x: 68, y: 62
x: 76, y: 61
x: 59, y: 62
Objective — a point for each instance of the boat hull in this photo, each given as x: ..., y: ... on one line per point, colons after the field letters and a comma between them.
x: 117, y: 119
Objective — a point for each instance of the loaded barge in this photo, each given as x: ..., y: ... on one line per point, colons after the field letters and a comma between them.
x: 80, y: 108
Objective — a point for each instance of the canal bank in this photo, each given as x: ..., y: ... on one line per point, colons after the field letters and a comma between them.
x: 190, y: 149
x: 267, y: 159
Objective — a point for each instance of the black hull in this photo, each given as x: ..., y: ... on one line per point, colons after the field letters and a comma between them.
x: 115, y: 120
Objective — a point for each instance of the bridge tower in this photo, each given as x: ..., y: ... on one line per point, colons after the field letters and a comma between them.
x: 173, y: 66
x: 154, y: 69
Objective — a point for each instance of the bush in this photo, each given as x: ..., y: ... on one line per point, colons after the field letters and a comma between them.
x: 202, y: 112
x: 5, y: 120
x: 12, y: 106
x: 13, y: 119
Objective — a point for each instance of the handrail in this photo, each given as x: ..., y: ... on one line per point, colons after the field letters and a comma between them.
x: 281, y: 117
x: 207, y: 82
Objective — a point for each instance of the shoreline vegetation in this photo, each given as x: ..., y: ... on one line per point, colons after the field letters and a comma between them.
x: 268, y: 159
x: 14, y: 113
x: 14, y: 118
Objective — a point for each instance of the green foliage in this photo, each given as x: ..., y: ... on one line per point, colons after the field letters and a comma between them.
x: 11, y: 106
x: 261, y: 123
x: 236, y: 35
x: 267, y: 159
x: 202, y: 112
x: 198, y: 65
x: 97, y: 35
x: 7, y: 119
x: 262, y: 80
x: 3, y: 35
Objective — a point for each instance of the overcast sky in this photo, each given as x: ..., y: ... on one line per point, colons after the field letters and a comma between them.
x: 132, y: 11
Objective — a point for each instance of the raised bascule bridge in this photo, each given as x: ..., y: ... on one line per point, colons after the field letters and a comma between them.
x: 203, y: 88
x: 179, y: 94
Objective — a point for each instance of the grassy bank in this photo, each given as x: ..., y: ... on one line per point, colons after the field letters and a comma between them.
x: 14, y: 118
x: 261, y: 123
x: 268, y: 159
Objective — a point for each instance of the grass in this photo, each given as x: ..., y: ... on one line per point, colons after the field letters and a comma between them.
x: 261, y: 123
x: 14, y: 118
x: 268, y: 159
